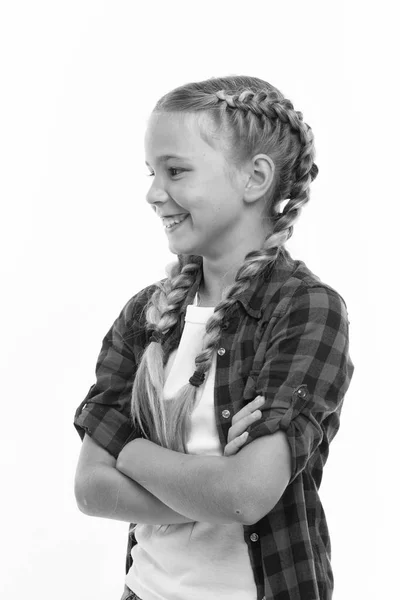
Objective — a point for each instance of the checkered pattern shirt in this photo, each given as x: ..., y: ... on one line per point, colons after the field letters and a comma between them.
x: 286, y: 338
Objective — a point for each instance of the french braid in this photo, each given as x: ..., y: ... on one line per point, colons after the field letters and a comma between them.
x: 262, y: 105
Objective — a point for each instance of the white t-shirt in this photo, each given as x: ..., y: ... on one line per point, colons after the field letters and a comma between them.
x: 196, y: 561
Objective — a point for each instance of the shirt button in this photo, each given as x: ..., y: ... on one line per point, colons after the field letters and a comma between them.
x: 226, y: 413
x: 254, y: 537
x: 221, y: 351
x: 302, y: 393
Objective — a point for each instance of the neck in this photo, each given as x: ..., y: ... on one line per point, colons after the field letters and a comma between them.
x: 203, y: 301
x: 214, y: 282
x: 219, y: 270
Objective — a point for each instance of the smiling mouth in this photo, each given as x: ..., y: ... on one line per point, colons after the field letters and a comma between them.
x: 175, y: 225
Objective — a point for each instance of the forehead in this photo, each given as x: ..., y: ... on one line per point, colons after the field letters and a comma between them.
x: 176, y: 133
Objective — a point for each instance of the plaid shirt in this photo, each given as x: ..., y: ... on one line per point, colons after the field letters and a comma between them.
x: 286, y: 338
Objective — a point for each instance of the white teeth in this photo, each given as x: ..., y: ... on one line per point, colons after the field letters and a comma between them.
x: 169, y: 221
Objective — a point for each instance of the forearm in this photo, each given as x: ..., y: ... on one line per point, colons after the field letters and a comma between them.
x: 112, y: 495
x: 202, y: 487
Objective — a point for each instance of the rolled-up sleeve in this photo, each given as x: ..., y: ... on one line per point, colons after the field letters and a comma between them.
x: 105, y: 412
x: 305, y: 373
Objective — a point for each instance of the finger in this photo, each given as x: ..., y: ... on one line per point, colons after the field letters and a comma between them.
x: 248, y: 409
x: 238, y: 428
x: 232, y: 447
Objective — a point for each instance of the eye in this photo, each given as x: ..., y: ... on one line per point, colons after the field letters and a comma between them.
x: 170, y: 169
x: 173, y: 169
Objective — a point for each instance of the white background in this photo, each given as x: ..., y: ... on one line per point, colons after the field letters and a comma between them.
x: 78, y: 239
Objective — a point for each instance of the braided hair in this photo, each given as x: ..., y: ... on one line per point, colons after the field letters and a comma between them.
x: 251, y: 116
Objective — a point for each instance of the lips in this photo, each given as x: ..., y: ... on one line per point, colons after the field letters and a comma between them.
x: 171, y: 224
x: 175, y: 215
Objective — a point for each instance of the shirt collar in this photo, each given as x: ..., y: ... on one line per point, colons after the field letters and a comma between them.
x: 256, y: 297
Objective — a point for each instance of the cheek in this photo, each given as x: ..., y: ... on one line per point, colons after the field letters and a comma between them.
x: 206, y: 195
x: 196, y: 198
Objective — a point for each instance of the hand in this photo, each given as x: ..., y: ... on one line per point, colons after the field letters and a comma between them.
x: 240, y: 422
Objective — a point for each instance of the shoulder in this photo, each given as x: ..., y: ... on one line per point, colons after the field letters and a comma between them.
x: 316, y: 303
x: 297, y: 287
x: 127, y: 333
x: 134, y: 309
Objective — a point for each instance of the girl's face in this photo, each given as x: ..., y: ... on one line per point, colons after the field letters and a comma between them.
x: 196, y: 182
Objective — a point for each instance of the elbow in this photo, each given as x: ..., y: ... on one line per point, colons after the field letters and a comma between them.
x: 259, y: 507
x: 242, y: 502
x: 256, y: 507
x: 246, y: 510
x: 252, y: 516
x: 249, y: 516
x: 251, y: 519
x: 81, y: 497
x: 83, y: 490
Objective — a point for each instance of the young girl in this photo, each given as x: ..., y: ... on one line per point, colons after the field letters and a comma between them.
x: 239, y: 339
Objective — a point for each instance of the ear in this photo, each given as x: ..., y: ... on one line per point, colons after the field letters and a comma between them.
x: 260, y: 175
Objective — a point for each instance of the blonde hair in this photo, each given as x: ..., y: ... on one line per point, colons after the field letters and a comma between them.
x: 250, y: 116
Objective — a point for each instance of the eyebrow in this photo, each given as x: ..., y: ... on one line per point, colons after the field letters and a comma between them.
x: 165, y: 157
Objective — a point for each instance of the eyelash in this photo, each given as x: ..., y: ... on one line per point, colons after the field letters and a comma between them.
x: 170, y: 169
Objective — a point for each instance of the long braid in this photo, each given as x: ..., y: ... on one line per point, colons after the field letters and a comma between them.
x: 162, y: 314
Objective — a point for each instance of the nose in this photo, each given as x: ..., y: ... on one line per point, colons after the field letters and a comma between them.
x: 156, y: 196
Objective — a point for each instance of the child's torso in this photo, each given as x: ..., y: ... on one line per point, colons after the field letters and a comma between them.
x: 192, y: 560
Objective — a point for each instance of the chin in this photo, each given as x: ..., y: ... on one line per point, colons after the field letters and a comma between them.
x: 181, y: 248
